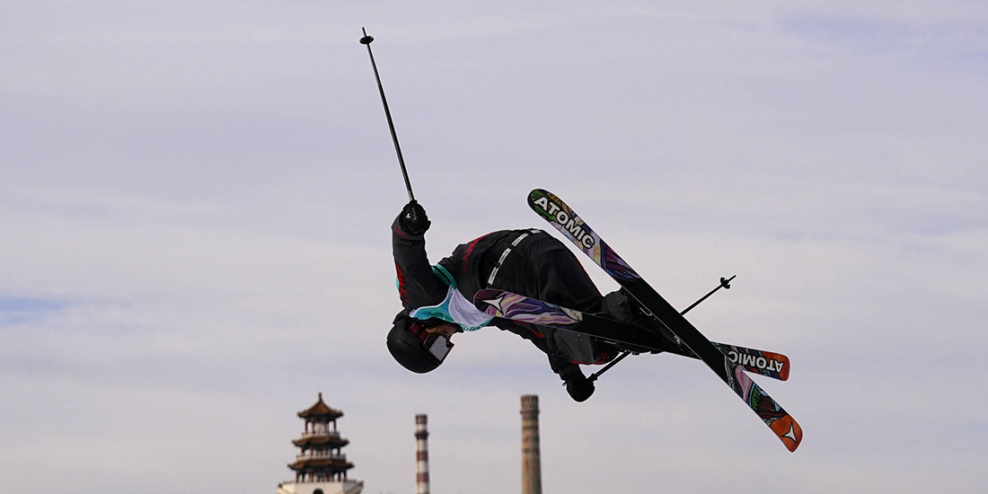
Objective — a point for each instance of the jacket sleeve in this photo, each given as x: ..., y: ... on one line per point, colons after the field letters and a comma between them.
x: 417, y: 285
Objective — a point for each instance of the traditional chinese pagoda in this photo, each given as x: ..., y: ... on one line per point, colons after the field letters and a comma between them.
x: 320, y: 467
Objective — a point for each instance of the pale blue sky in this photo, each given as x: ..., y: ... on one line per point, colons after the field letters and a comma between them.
x: 196, y: 199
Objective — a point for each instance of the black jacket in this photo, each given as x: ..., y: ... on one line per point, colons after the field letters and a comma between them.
x: 539, y: 267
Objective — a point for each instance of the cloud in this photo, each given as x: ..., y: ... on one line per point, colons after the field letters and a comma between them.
x: 196, y: 202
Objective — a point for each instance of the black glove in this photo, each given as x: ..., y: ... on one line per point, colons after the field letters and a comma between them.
x: 578, y: 386
x: 413, y: 219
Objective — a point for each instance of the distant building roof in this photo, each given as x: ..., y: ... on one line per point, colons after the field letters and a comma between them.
x: 320, y: 409
x: 335, y: 464
x: 312, y: 440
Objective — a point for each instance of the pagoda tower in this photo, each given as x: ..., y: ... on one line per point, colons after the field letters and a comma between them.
x: 320, y: 467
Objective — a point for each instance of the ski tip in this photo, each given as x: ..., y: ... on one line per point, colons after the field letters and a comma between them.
x: 490, y: 302
x: 486, y: 293
x: 536, y: 194
x: 788, y: 431
x: 784, y: 372
x: 539, y: 200
x: 781, y: 363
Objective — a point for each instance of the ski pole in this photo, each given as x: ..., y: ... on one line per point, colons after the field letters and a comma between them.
x: 724, y: 283
x: 595, y: 375
x: 366, y: 40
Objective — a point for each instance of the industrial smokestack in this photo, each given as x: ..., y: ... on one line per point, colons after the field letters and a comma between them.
x: 421, y: 455
x: 531, y: 458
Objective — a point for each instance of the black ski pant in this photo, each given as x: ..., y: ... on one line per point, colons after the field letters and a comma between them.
x: 542, y: 267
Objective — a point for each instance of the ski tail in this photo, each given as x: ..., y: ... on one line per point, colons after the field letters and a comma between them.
x: 775, y: 417
x: 768, y: 364
x: 564, y: 219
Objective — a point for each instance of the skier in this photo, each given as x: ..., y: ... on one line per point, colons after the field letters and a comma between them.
x: 437, y: 299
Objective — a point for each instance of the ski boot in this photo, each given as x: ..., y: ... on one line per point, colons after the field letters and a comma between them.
x: 622, y: 306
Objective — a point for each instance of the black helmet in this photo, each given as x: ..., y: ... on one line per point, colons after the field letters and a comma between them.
x: 415, y: 348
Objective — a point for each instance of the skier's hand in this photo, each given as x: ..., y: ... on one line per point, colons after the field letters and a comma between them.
x: 413, y: 219
x: 578, y: 386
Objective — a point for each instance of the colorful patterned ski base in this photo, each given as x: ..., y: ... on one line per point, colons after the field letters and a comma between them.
x: 564, y: 219
x: 499, y: 303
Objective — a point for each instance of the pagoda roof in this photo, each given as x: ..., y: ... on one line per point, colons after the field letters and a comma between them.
x: 320, y: 440
x: 320, y: 409
x: 338, y: 464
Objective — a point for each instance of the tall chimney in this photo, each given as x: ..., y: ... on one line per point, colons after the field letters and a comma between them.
x: 531, y: 461
x: 421, y: 455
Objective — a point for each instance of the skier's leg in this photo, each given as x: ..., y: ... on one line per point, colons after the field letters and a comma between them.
x: 542, y: 267
x: 560, y: 278
x: 583, y: 349
x: 620, y: 306
x: 563, y: 281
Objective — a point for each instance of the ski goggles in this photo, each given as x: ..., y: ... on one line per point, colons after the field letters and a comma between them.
x: 435, y: 344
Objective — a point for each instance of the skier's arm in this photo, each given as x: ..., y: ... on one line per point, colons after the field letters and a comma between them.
x: 417, y: 285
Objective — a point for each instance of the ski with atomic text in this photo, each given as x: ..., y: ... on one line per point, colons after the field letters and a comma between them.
x: 667, y: 318
x: 519, y: 308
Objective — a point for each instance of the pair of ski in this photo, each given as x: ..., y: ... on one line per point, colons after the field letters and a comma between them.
x: 676, y: 334
x: 625, y: 337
